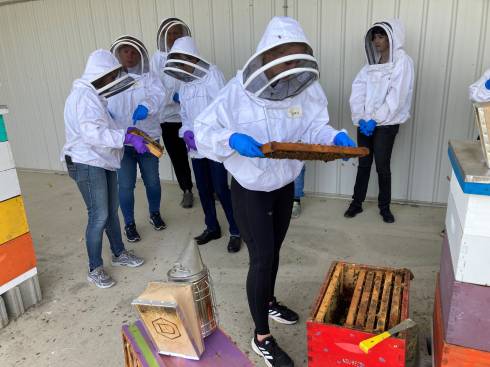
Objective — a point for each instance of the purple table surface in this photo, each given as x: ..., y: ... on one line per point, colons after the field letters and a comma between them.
x: 464, y: 307
x: 220, y: 351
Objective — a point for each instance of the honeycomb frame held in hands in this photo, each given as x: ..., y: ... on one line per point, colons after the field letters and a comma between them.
x: 311, y: 152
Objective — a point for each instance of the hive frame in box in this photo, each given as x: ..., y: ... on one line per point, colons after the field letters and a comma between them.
x: 334, y: 344
x: 482, y: 111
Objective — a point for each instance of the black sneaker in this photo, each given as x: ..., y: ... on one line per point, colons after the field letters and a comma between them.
x: 282, y: 314
x: 352, y: 211
x: 207, y: 236
x: 187, y: 199
x: 387, y: 215
x: 234, y: 244
x: 157, y: 221
x: 273, y: 355
x: 131, y: 233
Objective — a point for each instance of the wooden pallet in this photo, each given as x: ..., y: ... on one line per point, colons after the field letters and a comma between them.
x: 311, y: 152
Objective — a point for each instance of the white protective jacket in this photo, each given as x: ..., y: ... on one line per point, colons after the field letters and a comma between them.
x: 169, y: 111
x: 303, y: 117
x: 478, y: 91
x: 147, y: 91
x: 92, y: 137
x: 198, y: 93
x: 383, y: 92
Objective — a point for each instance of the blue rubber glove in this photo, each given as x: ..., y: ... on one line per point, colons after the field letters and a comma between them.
x: 487, y: 84
x: 140, y: 113
x: 176, y: 98
x: 246, y: 145
x: 368, y: 128
x: 343, y: 140
x: 362, y: 125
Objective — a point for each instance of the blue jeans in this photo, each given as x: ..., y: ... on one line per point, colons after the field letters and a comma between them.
x: 299, y: 184
x: 126, y: 177
x: 99, y: 191
x: 212, y: 177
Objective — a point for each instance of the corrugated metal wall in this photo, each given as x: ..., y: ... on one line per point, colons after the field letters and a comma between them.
x: 44, y: 45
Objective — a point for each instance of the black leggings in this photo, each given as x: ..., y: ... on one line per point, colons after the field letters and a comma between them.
x: 263, y: 219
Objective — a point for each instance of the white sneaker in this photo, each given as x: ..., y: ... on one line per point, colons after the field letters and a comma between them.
x: 296, y: 212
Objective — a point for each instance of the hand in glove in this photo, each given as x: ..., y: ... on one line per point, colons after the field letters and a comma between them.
x: 189, y: 140
x: 140, y: 113
x: 138, y: 142
x: 246, y: 145
x: 487, y: 84
x: 343, y: 140
x: 368, y: 128
x: 176, y: 98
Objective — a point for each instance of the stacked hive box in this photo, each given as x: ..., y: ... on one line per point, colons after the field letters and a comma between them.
x: 19, y: 287
x: 461, y: 317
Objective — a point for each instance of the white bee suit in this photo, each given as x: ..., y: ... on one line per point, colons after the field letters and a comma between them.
x: 290, y: 108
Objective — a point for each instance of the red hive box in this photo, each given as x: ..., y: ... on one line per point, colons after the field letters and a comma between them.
x: 355, y: 303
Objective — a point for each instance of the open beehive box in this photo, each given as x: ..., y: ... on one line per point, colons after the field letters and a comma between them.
x: 311, y: 152
x: 355, y: 303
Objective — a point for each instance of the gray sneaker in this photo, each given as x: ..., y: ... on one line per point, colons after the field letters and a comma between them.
x: 127, y: 258
x: 187, y: 199
x: 296, y: 212
x: 100, y: 278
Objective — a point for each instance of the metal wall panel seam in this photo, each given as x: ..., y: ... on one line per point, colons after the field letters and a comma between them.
x: 441, y: 147
x: 342, y: 82
x: 252, y: 26
x: 232, y: 37
x: 49, y: 96
x: 416, y: 98
x: 211, y: 23
x: 397, y: 8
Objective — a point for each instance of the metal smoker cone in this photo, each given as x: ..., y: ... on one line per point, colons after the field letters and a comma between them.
x: 188, y: 265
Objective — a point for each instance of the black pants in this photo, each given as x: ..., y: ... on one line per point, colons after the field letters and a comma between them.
x: 177, y: 152
x: 263, y: 219
x: 380, y: 146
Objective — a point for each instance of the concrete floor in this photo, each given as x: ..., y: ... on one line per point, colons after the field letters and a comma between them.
x: 79, y: 325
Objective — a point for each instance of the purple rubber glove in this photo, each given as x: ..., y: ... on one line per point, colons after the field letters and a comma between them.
x: 189, y: 140
x: 138, y: 142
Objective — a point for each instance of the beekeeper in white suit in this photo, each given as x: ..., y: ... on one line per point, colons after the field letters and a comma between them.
x: 276, y: 97
x: 93, y: 152
x: 171, y: 29
x: 479, y: 91
x: 201, y: 83
x: 380, y: 101
x: 139, y: 106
